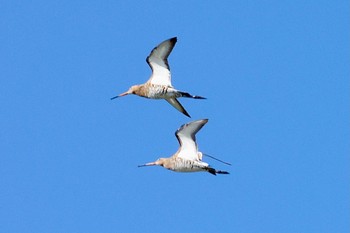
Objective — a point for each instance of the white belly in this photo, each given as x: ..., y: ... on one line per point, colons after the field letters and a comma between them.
x: 162, y: 92
x: 189, y: 166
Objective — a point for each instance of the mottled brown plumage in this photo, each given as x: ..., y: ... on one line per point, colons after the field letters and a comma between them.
x: 187, y: 158
x: 159, y: 84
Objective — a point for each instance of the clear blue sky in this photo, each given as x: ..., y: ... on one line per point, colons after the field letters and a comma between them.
x: 277, y: 78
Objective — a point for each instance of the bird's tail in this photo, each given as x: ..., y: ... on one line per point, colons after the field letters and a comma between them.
x: 188, y: 95
x: 214, y: 172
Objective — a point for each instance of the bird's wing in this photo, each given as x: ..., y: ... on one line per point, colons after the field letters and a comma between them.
x: 176, y: 104
x: 158, y: 61
x: 186, y: 136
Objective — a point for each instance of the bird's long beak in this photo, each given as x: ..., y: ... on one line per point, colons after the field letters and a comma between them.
x: 148, y: 164
x: 122, y: 94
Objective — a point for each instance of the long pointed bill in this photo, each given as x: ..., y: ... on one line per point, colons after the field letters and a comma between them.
x: 148, y: 164
x: 122, y: 94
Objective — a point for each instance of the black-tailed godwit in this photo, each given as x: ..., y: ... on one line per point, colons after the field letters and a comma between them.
x: 159, y: 84
x: 187, y: 158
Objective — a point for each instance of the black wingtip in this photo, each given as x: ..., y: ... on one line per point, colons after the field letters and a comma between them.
x: 186, y: 114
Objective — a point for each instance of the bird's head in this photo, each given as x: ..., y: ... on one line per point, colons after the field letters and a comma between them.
x: 160, y: 162
x: 132, y: 90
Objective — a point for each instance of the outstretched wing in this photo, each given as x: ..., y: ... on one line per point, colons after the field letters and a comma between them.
x: 158, y: 61
x: 186, y: 136
x: 176, y: 104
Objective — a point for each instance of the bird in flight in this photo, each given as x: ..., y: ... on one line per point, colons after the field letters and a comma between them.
x: 187, y: 158
x: 159, y: 84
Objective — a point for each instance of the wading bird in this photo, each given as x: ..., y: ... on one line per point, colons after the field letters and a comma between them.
x: 159, y: 84
x: 187, y: 158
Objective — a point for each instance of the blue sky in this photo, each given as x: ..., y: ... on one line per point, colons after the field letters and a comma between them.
x: 276, y: 75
